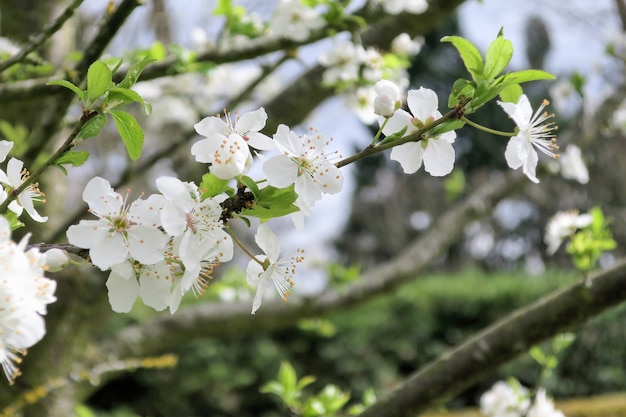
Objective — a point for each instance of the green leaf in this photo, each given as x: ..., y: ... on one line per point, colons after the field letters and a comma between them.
x: 461, y: 90
x: 511, y: 93
x: 98, y: 80
x: 498, y: 56
x: 64, y: 83
x: 287, y: 376
x: 470, y: 55
x: 134, y: 72
x: 525, y: 76
x: 446, y: 127
x: 251, y: 184
x: 273, y: 202
x: 74, y: 158
x: 93, y: 127
x: 537, y: 354
x: 126, y: 95
x: 212, y: 186
x: 130, y: 132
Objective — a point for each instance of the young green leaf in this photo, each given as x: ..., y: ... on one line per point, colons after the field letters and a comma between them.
x: 130, y: 132
x: 134, y: 72
x: 470, y: 55
x: 98, y: 80
x: 525, y: 76
x: 93, y: 127
x: 73, y: 158
x: 251, y: 184
x: 212, y: 186
x: 64, y: 83
x: 511, y: 93
x: 498, y: 56
x: 126, y: 95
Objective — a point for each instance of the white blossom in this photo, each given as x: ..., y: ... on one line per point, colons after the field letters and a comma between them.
x: 24, y: 295
x: 436, y: 152
x: 303, y: 162
x: 503, y: 400
x: 226, y: 146
x: 14, y: 177
x: 543, y: 406
x: 563, y: 225
x: 533, y: 133
x: 400, y: 6
x: 404, y: 45
x: 343, y: 62
x: 572, y: 165
x: 195, y: 223
x: 120, y: 231
x: 294, y: 20
x: 387, y: 99
x: 278, y: 271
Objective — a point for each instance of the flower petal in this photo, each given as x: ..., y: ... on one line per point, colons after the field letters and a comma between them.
x: 268, y: 242
x: 422, y: 103
x: 409, y: 155
x: 252, y: 121
x: 146, y: 243
x: 211, y: 126
x: 439, y: 157
x: 280, y: 171
x: 123, y: 288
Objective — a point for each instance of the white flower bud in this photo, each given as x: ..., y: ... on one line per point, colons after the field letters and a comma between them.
x: 386, y: 101
x: 404, y: 45
x: 56, y: 259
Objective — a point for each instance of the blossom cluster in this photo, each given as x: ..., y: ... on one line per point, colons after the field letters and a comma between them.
x: 513, y: 400
x: 160, y: 247
x: 24, y: 295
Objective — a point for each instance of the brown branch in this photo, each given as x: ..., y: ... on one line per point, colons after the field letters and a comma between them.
x: 213, y: 320
x: 43, y: 134
x: 483, y: 353
x: 36, y: 41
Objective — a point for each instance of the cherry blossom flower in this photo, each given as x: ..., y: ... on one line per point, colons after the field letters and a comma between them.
x: 120, y: 231
x: 436, y: 152
x: 343, y: 62
x: 304, y: 163
x: 572, y: 165
x: 503, y: 400
x: 294, y: 20
x: 24, y: 295
x: 14, y: 177
x: 129, y: 280
x: 226, y: 146
x: 279, y: 271
x: 404, y: 45
x: 563, y: 225
x: 387, y: 99
x: 543, y: 406
x: 194, y: 223
x: 400, y: 6
x: 520, y: 151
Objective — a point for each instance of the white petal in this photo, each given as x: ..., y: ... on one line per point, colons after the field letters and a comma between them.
x: 409, y: 155
x: 280, y: 171
x: 25, y: 199
x: 438, y: 157
x: 123, y: 289
x: 520, y: 112
x: 14, y: 172
x: 108, y: 251
x: 5, y: 148
x: 154, y: 288
x: 530, y: 166
x: 516, y: 151
x: 211, y: 126
x: 29, y: 330
x: 173, y: 219
x: 251, y: 121
x: 101, y: 197
x: 388, y: 88
x: 203, y: 150
x: 268, y: 242
x: 260, y: 141
x: 422, y: 103
x: 146, y: 243
x: 83, y: 233
x: 399, y: 121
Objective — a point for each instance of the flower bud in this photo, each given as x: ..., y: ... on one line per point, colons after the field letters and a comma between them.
x: 56, y: 259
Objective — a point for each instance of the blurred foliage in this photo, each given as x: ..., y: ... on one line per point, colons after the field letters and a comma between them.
x: 374, y: 346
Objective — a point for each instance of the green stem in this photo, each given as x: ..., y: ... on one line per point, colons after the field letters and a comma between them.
x: 486, y: 129
x: 379, y: 132
x: 242, y: 246
x: 413, y: 137
x: 67, y: 145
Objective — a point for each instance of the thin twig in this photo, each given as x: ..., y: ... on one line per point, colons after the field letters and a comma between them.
x: 36, y: 41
